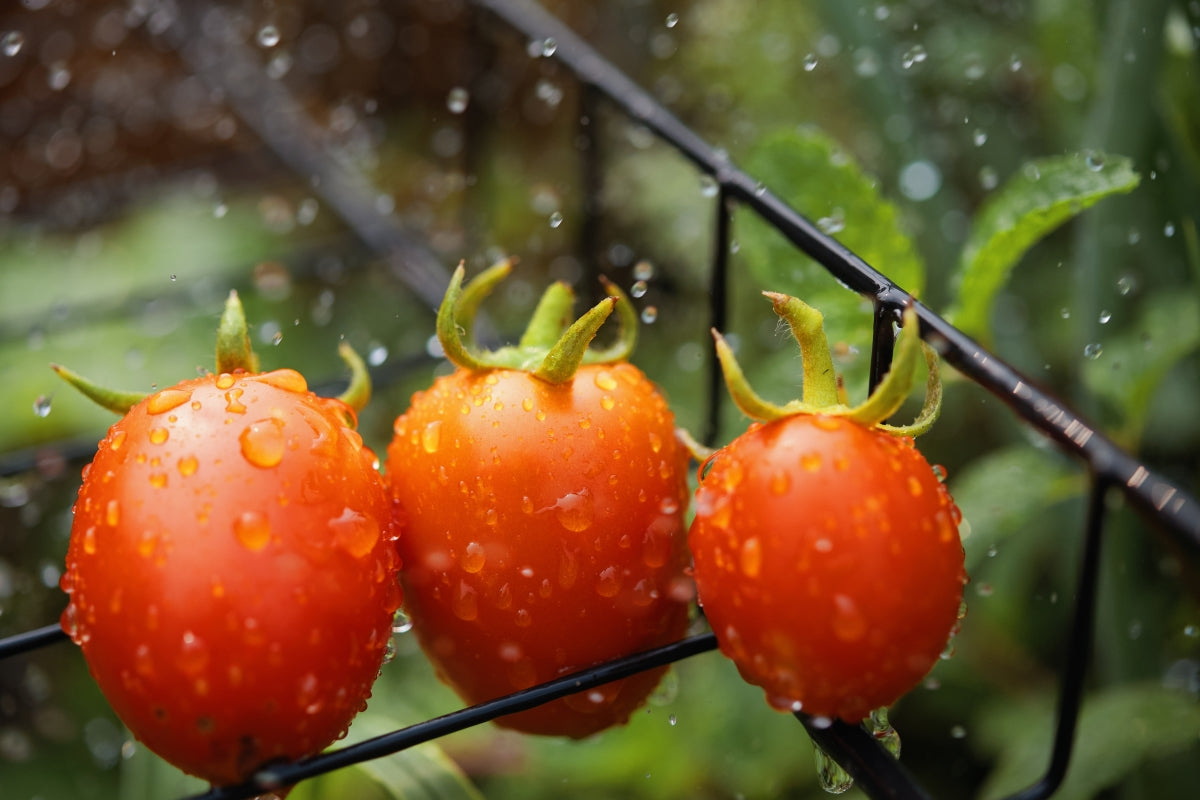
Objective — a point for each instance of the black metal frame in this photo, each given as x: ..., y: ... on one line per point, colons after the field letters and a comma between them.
x: 880, y: 775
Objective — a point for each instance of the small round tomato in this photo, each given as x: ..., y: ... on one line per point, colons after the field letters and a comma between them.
x: 827, y: 555
x: 232, y: 571
x: 543, y: 533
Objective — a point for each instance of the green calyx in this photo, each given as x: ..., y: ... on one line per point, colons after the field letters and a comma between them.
x: 821, y: 391
x: 234, y: 354
x: 552, y: 347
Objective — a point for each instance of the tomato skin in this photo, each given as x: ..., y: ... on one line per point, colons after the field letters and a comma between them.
x: 544, y: 534
x: 828, y: 561
x: 232, y: 572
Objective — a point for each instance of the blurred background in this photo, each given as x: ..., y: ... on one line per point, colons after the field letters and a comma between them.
x: 333, y: 161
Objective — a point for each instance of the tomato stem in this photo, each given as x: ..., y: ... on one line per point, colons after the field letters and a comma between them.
x: 564, y: 358
x: 116, y: 401
x: 820, y: 387
x: 234, y: 350
x: 358, y: 393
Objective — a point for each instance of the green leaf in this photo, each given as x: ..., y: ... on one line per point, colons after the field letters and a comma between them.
x: 1119, y: 730
x: 423, y: 772
x: 1041, y: 196
x: 811, y: 173
x: 1005, y: 491
x: 1131, y: 366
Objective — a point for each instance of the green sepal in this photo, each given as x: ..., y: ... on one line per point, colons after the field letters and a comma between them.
x: 627, y: 320
x: 234, y: 351
x: 564, y: 358
x: 116, y: 401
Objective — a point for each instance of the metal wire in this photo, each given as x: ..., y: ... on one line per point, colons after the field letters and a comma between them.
x: 877, y: 773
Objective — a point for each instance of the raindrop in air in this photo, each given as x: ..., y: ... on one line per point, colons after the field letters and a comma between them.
x: 643, y: 271
x: 988, y: 179
x: 1094, y: 161
x: 1169, y: 230
x: 708, y: 185
x: 979, y: 137
x: 913, y: 56
x: 220, y: 210
x: 401, y: 623
x: 556, y: 219
x: 810, y: 62
x: 457, y: 100
x: 12, y: 42
x: 1093, y: 351
x: 548, y: 47
x: 268, y: 36
x: 377, y: 355
x: 834, y: 223
x: 672, y: 720
x: 1064, y: 312
x: 1014, y: 64
x: 920, y: 180
x: 41, y: 406
x: 1105, y: 316
x: 649, y: 314
x: 958, y: 732
x: 639, y: 289
x: 672, y: 20
x: 1126, y: 284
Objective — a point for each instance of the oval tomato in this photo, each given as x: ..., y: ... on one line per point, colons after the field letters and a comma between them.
x: 828, y: 562
x: 232, y: 571
x: 543, y: 534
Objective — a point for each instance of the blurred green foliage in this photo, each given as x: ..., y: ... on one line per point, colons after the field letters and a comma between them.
x: 898, y: 122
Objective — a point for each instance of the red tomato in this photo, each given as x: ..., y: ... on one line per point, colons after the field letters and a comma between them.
x: 232, y: 571
x: 543, y: 534
x: 828, y: 561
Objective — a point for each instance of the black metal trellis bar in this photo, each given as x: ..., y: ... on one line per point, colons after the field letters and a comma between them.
x: 1178, y: 512
x: 31, y: 640
x: 288, y: 774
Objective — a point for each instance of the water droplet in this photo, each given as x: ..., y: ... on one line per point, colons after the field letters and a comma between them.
x: 377, y: 355
x: 220, y: 210
x: 751, y: 557
x: 575, y: 511
x: 643, y: 271
x: 1093, y: 350
x: 89, y: 540
x: 1105, y: 316
x: 810, y: 62
x: 639, y: 289
x: 12, y: 42
x: 263, y: 443
x: 473, y: 557
x: 268, y: 36
x: 1064, y: 312
x: 848, y: 622
x: 672, y: 720
x: 457, y: 100
x: 286, y: 379
x: 609, y: 582
x: 1094, y: 161
x: 980, y: 137
x: 112, y: 513
x: 167, y: 399
x: 465, y: 602
x: 830, y: 775
x: 988, y: 178
x: 649, y: 315
x: 920, y: 180
x: 913, y: 56
x: 41, y: 406
x: 834, y: 223
x: 1126, y: 284
x: 401, y: 622
x: 224, y: 381
x: 117, y: 440
x: 355, y: 532
x: 549, y: 47
x: 939, y: 472
x: 672, y: 20
x: 708, y: 185
x: 1191, y: 631
x: 431, y: 436
x: 1169, y: 230
x: 159, y: 435
x: 958, y: 732
x: 253, y: 530
x: 556, y: 219
x: 193, y: 654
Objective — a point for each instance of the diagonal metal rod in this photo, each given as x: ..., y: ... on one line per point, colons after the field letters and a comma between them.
x: 31, y: 640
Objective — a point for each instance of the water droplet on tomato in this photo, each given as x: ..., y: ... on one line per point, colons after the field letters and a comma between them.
x: 116, y: 440
x: 167, y: 399
x: 112, y: 513
x: 263, y: 443
x: 158, y: 435
x: 848, y: 623
x: 89, y: 540
x: 188, y: 465
x: 473, y: 557
x: 233, y: 401
x: 158, y: 479
x: 575, y: 511
x: 253, y: 530
x: 751, y: 557
x: 607, y: 403
x: 309, y: 696
x: 527, y: 404
x: 605, y: 381
x: 831, y: 777
x: 143, y: 662
x: 147, y: 543
x: 524, y: 618
x: 401, y: 622
x: 609, y: 582
x: 465, y: 602
x: 287, y: 379
x: 431, y: 436
x: 811, y: 462
x: 193, y: 655
x: 224, y: 381
x: 355, y: 532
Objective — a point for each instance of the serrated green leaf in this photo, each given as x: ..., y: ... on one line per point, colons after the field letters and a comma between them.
x: 1001, y: 493
x: 1119, y: 729
x: 1131, y: 366
x: 811, y: 173
x: 1041, y: 196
